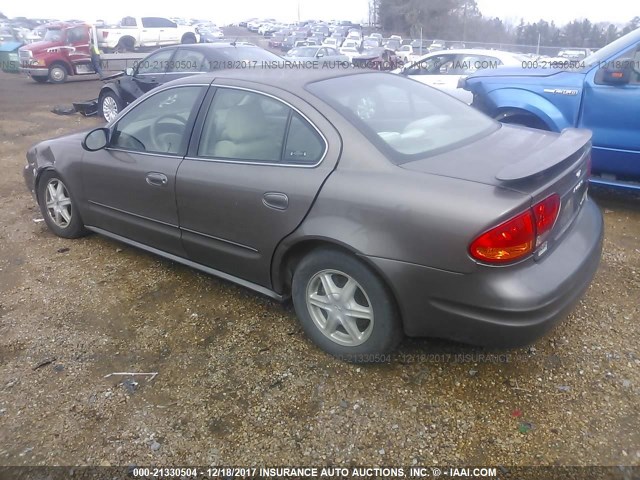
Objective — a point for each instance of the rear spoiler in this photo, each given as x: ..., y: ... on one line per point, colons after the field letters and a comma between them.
x: 568, y: 143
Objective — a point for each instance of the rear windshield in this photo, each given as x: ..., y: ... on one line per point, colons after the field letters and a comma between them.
x: 405, y: 119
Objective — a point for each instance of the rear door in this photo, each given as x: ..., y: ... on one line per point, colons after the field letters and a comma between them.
x: 254, y: 168
x: 612, y: 112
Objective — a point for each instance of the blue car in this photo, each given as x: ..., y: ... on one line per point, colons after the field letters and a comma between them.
x: 600, y: 93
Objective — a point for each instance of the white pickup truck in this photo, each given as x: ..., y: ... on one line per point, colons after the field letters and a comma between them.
x: 135, y: 32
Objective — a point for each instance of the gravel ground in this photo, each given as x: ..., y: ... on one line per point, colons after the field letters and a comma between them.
x: 239, y: 384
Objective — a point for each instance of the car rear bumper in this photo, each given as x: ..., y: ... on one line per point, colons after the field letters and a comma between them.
x: 500, y: 306
x: 35, y: 72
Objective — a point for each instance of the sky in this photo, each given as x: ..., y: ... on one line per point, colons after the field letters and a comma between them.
x: 226, y: 11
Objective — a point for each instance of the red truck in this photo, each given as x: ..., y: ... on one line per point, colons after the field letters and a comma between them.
x: 63, y: 51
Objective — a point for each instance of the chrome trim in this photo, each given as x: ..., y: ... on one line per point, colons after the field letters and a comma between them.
x: 189, y: 263
x: 230, y: 242
x: 134, y: 214
x: 150, y: 154
x: 249, y: 162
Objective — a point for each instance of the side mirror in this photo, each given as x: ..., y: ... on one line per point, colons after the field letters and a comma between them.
x: 129, y: 71
x: 617, y: 72
x: 96, y: 139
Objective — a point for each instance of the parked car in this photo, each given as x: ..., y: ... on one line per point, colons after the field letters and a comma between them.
x: 333, y: 42
x: 444, y: 69
x: 408, y: 54
x: 437, y: 45
x: 10, y: 42
x: 341, y: 190
x: 380, y: 58
x: 169, y: 63
x: 600, y: 92
x: 63, y: 51
x: 135, y: 32
x: 277, y: 40
x: 350, y: 48
x: 325, y: 56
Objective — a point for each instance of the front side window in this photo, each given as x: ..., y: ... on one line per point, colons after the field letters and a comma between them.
x: 159, y: 123
x: 186, y: 60
x: 403, y: 118
x: 248, y: 126
x: 155, y: 63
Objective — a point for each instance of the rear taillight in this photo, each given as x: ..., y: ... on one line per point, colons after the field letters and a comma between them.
x: 546, y: 214
x: 518, y: 236
x: 105, y: 34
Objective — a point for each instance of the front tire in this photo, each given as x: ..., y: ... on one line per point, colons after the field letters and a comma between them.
x: 58, y: 208
x: 57, y: 74
x: 344, y: 307
x: 110, y: 105
x: 40, y: 79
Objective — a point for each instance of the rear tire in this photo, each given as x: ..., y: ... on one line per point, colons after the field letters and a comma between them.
x: 124, y: 45
x: 344, y: 307
x: 188, y: 38
x: 58, y: 207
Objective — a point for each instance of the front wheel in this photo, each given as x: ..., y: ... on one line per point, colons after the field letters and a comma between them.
x: 57, y: 74
x: 110, y: 105
x: 344, y: 307
x: 58, y: 208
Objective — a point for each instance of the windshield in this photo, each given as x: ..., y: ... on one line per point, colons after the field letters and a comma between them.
x: 303, y: 52
x: 53, y: 35
x: 612, y: 49
x: 405, y: 119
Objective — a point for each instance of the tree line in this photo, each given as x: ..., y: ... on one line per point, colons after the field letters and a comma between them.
x: 462, y: 20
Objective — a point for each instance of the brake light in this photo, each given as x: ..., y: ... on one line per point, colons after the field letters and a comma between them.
x: 507, y: 242
x: 105, y: 34
x: 546, y: 214
x: 518, y: 236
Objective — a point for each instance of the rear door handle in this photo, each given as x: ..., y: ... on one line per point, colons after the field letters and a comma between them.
x: 157, y: 179
x: 276, y: 200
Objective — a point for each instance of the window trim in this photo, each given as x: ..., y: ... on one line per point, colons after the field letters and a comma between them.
x: 285, y: 164
x: 188, y: 127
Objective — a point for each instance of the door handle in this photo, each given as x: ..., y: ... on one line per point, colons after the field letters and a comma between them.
x: 157, y: 179
x: 275, y: 200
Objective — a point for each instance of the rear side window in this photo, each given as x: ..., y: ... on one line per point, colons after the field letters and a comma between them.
x: 157, y: 22
x: 251, y: 127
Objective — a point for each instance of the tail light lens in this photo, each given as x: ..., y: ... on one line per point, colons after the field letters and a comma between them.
x: 518, y: 236
x: 105, y: 34
x: 546, y: 214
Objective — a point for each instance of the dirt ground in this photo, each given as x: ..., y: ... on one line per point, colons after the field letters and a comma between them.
x: 239, y: 384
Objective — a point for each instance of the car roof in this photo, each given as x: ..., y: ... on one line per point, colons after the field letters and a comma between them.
x: 473, y: 51
x: 293, y: 79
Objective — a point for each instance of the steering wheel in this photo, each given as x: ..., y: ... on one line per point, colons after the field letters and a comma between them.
x: 167, y: 141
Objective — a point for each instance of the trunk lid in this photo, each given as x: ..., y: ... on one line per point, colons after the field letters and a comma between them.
x: 532, y: 162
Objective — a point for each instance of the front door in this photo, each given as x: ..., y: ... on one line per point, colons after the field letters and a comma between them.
x: 251, y: 175
x: 130, y: 185
x: 612, y: 112
x: 150, y: 71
